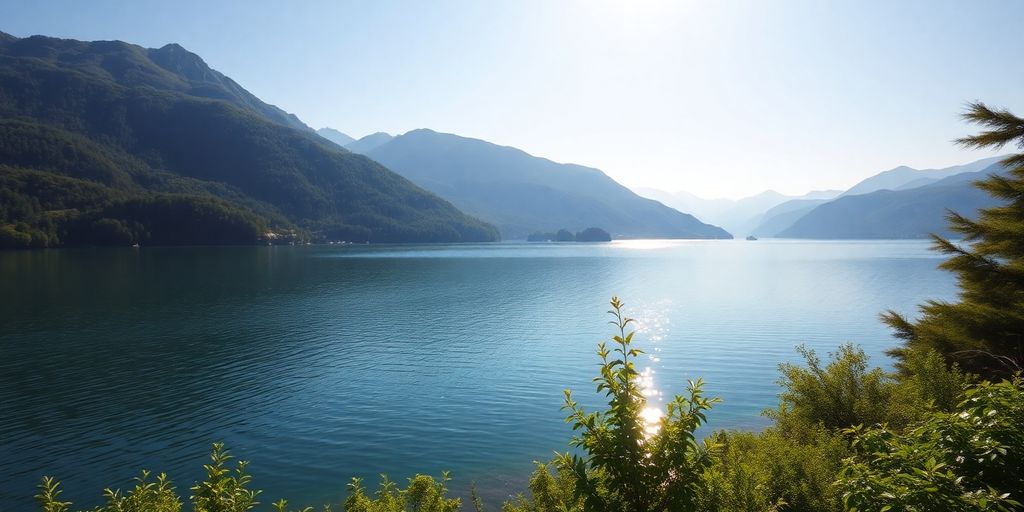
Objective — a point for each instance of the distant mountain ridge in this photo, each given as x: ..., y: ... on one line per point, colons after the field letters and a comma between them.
x: 909, y: 213
x: 739, y: 216
x: 522, y: 194
x: 916, y: 210
x: 369, y: 143
x: 904, y: 177
x: 108, y: 143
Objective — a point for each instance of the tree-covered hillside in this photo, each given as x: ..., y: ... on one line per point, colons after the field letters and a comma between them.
x: 147, y: 135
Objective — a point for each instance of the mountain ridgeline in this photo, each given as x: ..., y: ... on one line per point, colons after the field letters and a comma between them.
x: 910, y: 213
x: 739, y: 216
x: 523, y: 194
x: 109, y: 143
x: 901, y: 203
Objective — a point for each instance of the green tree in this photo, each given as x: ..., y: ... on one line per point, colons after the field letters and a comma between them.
x: 984, y: 330
x: 629, y: 463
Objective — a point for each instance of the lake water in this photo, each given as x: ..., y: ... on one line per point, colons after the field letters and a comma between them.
x: 326, y: 362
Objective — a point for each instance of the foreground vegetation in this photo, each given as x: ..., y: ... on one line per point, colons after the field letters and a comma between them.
x: 945, y: 432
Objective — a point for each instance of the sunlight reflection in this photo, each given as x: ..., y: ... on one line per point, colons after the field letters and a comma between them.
x: 643, y: 244
x: 652, y: 419
x: 651, y: 326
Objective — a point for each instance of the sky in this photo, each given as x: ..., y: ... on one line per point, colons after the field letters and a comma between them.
x: 721, y: 99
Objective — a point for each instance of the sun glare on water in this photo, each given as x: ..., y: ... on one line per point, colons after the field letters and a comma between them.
x: 651, y: 327
x: 642, y: 244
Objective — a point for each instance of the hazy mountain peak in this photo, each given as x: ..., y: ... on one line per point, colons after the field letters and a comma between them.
x: 904, y: 177
x: 335, y: 136
x: 369, y: 142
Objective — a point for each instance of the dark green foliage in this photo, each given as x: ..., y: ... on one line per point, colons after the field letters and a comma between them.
x: 593, y: 235
x: 631, y: 463
x: 229, y: 490
x: 792, y: 465
x: 966, y: 460
x: 774, y: 471
x: 39, y: 209
x: 564, y: 235
x: 424, y: 494
x: 552, y: 489
x: 842, y: 393
x: 984, y: 330
x: 128, y: 123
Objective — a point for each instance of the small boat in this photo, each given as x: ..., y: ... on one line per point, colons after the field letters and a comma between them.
x: 751, y: 237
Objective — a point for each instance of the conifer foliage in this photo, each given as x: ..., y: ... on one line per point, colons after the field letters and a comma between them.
x: 984, y: 330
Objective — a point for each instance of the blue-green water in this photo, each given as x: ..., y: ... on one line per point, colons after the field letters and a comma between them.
x: 323, y: 363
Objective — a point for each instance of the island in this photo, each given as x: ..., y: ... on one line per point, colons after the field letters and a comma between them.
x: 564, y: 235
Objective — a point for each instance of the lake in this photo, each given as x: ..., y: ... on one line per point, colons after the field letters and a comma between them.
x: 321, y: 363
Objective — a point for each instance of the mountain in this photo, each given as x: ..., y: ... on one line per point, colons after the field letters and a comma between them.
x: 704, y: 209
x: 912, y: 213
x: 109, y: 143
x: 903, y: 177
x: 522, y: 194
x: 739, y: 216
x: 782, y: 216
x: 369, y: 143
x: 335, y: 136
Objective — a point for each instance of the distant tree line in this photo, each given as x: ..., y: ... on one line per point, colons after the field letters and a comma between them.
x: 564, y: 235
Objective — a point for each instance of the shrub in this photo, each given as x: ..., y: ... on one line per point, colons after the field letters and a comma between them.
x: 965, y: 460
x: 630, y: 464
x: 769, y: 471
x: 424, y: 494
x: 548, y: 492
x: 844, y: 392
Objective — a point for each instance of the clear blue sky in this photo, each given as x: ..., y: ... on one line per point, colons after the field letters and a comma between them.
x: 723, y: 98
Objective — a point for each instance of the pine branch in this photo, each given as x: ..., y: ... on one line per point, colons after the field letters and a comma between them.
x: 1005, y: 127
x: 1002, y: 187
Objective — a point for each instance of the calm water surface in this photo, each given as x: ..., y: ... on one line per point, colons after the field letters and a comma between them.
x: 323, y: 363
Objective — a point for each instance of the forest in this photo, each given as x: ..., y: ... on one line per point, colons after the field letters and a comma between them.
x: 101, y: 143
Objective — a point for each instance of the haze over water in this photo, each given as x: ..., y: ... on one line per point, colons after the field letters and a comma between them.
x: 322, y: 363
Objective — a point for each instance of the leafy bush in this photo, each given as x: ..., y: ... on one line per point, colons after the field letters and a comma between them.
x: 424, y: 494
x: 228, y: 490
x: 847, y: 391
x: 770, y: 471
x: 965, y: 460
x: 549, y: 492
